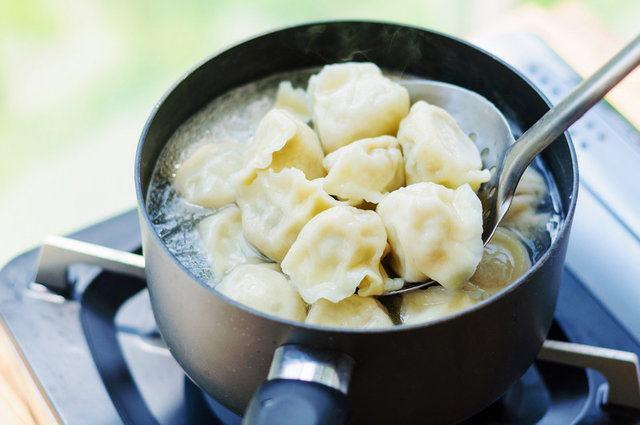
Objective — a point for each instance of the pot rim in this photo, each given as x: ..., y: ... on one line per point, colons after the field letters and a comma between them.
x: 141, y: 197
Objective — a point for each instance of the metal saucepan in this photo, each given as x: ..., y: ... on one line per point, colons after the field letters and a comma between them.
x: 440, y: 372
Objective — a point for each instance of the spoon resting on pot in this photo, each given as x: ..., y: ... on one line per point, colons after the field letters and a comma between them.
x: 506, y: 158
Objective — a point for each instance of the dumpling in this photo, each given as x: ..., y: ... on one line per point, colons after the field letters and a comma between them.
x: 282, y: 141
x: 336, y: 252
x: 424, y: 305
x: 532, y: 183
x: 433, y: 231
x: 295, y: 101
x: 436, y: 149
x: 530, y: 192
x: 263, y: 287
x: 221, y: 235
x: 204, y: 178
x: 504, y: 260
x: 390, y: 283
x: 352, y: 101
x: 276, y: 205
x: 364, y: 170
x: 352, y: 312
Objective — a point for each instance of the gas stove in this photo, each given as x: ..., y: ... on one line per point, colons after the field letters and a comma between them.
x: 83, y: 322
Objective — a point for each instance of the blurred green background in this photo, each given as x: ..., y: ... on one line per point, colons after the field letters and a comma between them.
x: 78, y: 77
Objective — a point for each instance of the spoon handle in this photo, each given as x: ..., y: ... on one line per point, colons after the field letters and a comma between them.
x: 559, y: 118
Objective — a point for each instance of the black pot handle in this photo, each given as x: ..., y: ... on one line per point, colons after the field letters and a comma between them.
x: 305, y: 387
x: 290, y: 401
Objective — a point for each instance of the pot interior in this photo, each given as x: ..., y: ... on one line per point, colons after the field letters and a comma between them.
x: 399, y: 49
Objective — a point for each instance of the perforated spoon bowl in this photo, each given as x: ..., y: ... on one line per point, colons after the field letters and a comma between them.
x: 508, y: 159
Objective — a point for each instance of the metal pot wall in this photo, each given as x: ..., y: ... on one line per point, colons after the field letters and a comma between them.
x: 441, y: 372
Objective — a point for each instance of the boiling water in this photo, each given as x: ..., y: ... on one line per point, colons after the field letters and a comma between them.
x: 235, y: 115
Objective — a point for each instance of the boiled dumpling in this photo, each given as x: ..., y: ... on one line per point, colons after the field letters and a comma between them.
x: 336, y: 252
x: 293, y: 100
x: 532, y: 183
x: 436, y: 150
x: 282, y: 141
x: 276, y: 205
x: 221, y: 236
x: 504, y: 260
x: 434, y: 232
x: 263, y: 287
x: 424, y: 305
x: 364, y: 170
x: 203, y: 179
x: 390, y: 283
x: 352, y: 101
x: 352, y: 312
x: 530, y: 192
